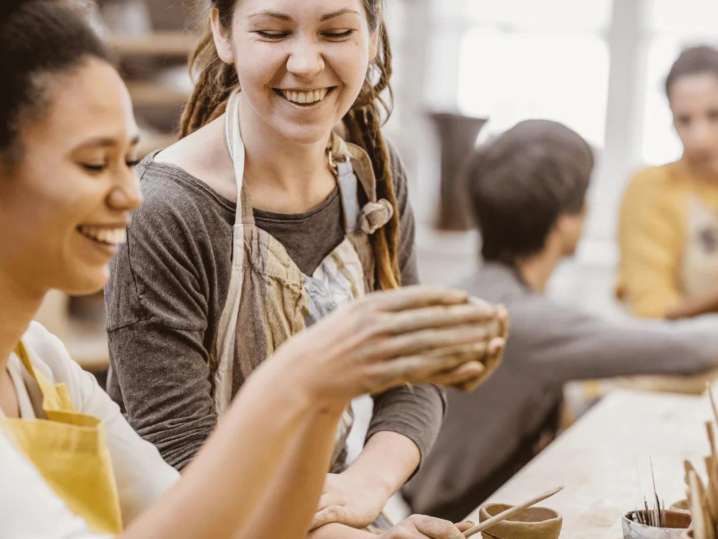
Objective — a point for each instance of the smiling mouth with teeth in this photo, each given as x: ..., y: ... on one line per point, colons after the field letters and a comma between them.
x: 304, y: 98
x: 104, y: 235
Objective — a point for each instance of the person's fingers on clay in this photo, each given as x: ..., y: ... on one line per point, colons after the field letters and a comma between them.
x: 495, y: 353
x: 427, y: 340
x: 412, y: 297
x: 465, y: 525
x: 473, y: 384
x: 334, y: 513
x: 412, y: 369
x: 437, y: 317
x: 467, y: 352
x: 465, y: 374
x: 436, y: 528
x: 504, y: 319
x: 478, y: 301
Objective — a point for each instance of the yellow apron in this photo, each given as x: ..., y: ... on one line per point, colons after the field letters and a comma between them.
x: 69, y: 450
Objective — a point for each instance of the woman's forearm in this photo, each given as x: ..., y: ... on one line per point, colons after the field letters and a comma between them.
x: 291, y: 501
x: 387, y: 461
x: 340, y: 531
x: 262, y: 441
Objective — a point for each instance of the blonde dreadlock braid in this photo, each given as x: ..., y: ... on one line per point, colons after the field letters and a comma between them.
x: 363, y: 123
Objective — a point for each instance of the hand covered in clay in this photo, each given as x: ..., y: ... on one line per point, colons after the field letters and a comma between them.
x: 423, y: 527
x: 411, y: 335
x: 348, y: 499
x: 496, y: 324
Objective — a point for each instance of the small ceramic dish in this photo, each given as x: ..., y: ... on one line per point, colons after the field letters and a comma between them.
x: 531, y: 523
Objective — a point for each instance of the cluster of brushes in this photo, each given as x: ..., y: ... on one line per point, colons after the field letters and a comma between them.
x: 655, y: 516
x: 703, y: 496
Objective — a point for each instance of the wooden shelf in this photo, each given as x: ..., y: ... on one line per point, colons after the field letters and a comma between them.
x: 152, y: 94
x: 150, y: 141
x: 157, y: 44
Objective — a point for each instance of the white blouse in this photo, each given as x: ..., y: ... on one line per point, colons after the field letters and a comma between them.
x: 28, y: 507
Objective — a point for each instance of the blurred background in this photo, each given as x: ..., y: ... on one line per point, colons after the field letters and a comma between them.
x: 464, y: 69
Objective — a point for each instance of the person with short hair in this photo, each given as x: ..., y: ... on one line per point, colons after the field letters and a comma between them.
x: 668, y: 228
x: 527, y: 189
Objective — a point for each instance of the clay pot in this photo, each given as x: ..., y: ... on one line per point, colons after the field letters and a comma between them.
x: 681, y: 506
x: 676, y: 526
x: 531, y: 523
x: 457, y: 138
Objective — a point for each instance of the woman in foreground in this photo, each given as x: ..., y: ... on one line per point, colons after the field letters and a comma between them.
x: 71, y: 465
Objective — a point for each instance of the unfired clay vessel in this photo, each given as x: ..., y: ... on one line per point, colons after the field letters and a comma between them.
x: 531, y: 523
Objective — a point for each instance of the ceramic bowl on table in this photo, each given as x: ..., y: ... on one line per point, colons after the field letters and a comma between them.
x: 676, y: 525
x: 681, y: 505
x: 531, y: 523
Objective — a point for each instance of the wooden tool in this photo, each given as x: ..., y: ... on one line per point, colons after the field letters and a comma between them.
x: 709, y: 389
x: 503, y: 515
x: 703, y: 497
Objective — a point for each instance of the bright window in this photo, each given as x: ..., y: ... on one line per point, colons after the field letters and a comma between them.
x: 526, y: 59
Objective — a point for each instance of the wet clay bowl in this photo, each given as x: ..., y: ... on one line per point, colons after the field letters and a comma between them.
x: 676, y: 524
x: 681, y: 505
x: 531, y: 523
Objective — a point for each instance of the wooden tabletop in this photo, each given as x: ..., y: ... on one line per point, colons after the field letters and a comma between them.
x: 603, y: 461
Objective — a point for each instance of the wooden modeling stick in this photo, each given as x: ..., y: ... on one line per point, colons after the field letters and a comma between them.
x: 503, y: 515
x: 709, y: 389
x: 695, y: 503
x: 711, y: 492
x: 688, y: 468
x: 710, y: 431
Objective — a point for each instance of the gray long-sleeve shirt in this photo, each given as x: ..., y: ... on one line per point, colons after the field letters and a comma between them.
x: 167, y: 290
x: 549, y: 344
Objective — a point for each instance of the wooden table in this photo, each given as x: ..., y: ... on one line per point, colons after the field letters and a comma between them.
x: 603, y: 461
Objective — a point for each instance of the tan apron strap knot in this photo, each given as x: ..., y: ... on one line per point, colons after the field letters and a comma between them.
x: 349, y: 189
x: 375, y: 215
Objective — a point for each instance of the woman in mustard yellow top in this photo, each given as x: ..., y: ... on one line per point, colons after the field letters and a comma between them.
x: 668, y: 231
x: 70, y: 465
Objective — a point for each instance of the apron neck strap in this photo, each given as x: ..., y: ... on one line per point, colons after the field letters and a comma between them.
x: 235, y: 147
x: 349, y: 190
x: 45, y: 386
x: 21, y: 352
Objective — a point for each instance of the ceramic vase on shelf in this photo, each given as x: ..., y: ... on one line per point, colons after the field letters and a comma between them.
x: 457, y: 138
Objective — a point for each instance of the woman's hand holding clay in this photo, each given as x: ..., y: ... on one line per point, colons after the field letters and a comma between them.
x: 424, y: 527
x: 411, y: 335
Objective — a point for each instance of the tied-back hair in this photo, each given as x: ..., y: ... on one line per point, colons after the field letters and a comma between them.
x: 692, y: 61
x: 37, y: 37
x: 217, y: 80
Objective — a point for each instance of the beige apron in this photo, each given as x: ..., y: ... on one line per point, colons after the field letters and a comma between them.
x: 699, y: 261
x: 69, y: 450
x: 269, y: 298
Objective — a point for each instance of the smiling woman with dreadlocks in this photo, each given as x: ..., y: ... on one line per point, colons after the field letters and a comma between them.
x: 262, y: 219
